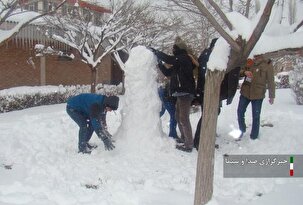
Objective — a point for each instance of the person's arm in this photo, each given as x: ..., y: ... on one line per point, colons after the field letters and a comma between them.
x: 193, y: 60
x: 271, y: 83
x: 104, y: 125
x: 166, y: 58
x: 166, y: 71
x: 96, y: 121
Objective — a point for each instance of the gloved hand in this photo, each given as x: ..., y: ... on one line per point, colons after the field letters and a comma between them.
x: 106, y: 138
x: 109, y: 135
x: 160, y: 62
x: 108, y: 144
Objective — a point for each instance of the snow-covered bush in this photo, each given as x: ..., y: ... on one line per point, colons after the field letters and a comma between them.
x: 296, y: 81
x: 24, y: 97
x: 282, y: 80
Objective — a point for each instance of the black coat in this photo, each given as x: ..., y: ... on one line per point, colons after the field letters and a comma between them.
x: 229, y: 84
x: 203, y: 59
x: 181, y: 72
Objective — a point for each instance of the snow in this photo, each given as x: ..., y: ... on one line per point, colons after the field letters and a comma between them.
x: 141, y: 72
x: 17, y: 16
x: 275, y: 37
x: 40, y: 146
x: 218, y: 58
x: 30, y: 90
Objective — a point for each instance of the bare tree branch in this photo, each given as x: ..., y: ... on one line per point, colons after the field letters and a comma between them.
x: 24, y: 24
x: 247, y: 8
x: 221, y: 14
x: 259, y: 28
x: 298, y: 26
x: 215, y: 23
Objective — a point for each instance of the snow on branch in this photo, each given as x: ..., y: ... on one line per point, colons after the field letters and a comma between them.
x: 13, y: 8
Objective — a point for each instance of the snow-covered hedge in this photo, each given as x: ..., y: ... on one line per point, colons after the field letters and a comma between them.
x: 24, y: 97
x: 282, y: 80
x: 296, y: 81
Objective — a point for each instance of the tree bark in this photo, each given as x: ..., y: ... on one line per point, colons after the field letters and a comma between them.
x: 93, y: 80
x: 255, y: 36
x: 205, y: 164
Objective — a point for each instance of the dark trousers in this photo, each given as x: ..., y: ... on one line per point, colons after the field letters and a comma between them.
x: 199, y: 125
x: 169, y: 105
x: 86, y: 130
x: 183, y: 106
x: 256, y: 112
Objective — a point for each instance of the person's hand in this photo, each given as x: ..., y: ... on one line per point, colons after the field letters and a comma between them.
x: 108, y: 144
x: 248, y: 74
x: 271, y: 100
x: 106, y: 138
x: 152, y: 49
x: 159, y: 62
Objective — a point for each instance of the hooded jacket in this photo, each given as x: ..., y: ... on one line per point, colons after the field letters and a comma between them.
x: 181, y: 72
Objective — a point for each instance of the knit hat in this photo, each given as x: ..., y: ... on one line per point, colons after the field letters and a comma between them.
x: 249, y: 62
x: 112, y: 102
x: 180, y: 43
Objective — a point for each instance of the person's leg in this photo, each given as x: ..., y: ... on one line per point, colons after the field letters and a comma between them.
x: 82, y: 123
x: 243, y: 103
x: 161, y: 96
x: 178, y: 117
x: 162, y: 111
x: 256, y: 112
x: 171, y: 109
x: 90, y: 131
x: 184, y: 106
x: 197, y: 133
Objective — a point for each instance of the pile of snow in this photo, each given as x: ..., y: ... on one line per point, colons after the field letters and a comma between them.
x: 141, y: 101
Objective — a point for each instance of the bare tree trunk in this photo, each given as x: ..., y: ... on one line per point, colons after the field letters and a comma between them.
x: 247, y: 8
x: 258, y: 6
x: 231, y: 3
x: 93, y: 80
x: 205, y: 164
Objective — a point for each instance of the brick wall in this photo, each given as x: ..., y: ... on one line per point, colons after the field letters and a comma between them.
x: 16, y: 69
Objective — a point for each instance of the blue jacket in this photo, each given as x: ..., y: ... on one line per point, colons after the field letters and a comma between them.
x: 90, y: 106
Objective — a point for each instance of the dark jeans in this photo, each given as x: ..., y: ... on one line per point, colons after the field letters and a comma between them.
x: 183, y: 106
x: 199, y: 125
x: 256, y: 111
x: 169, y: 105
x: 86, y: 130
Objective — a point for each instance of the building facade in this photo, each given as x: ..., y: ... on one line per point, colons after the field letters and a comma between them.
x: 21, y: 66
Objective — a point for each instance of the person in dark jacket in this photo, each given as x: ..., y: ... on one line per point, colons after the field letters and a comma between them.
x: 202, y: 60
x: 89, y: 112
x: 182, y: 86
x: 228, y: 86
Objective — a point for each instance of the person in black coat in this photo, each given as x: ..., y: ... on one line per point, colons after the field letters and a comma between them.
x: 182, y: 86
x: 227, y: 90
x: 203, y: 59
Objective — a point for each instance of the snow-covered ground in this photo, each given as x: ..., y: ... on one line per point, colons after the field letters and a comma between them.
x: 39, y: 163
x: 40, y: 145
